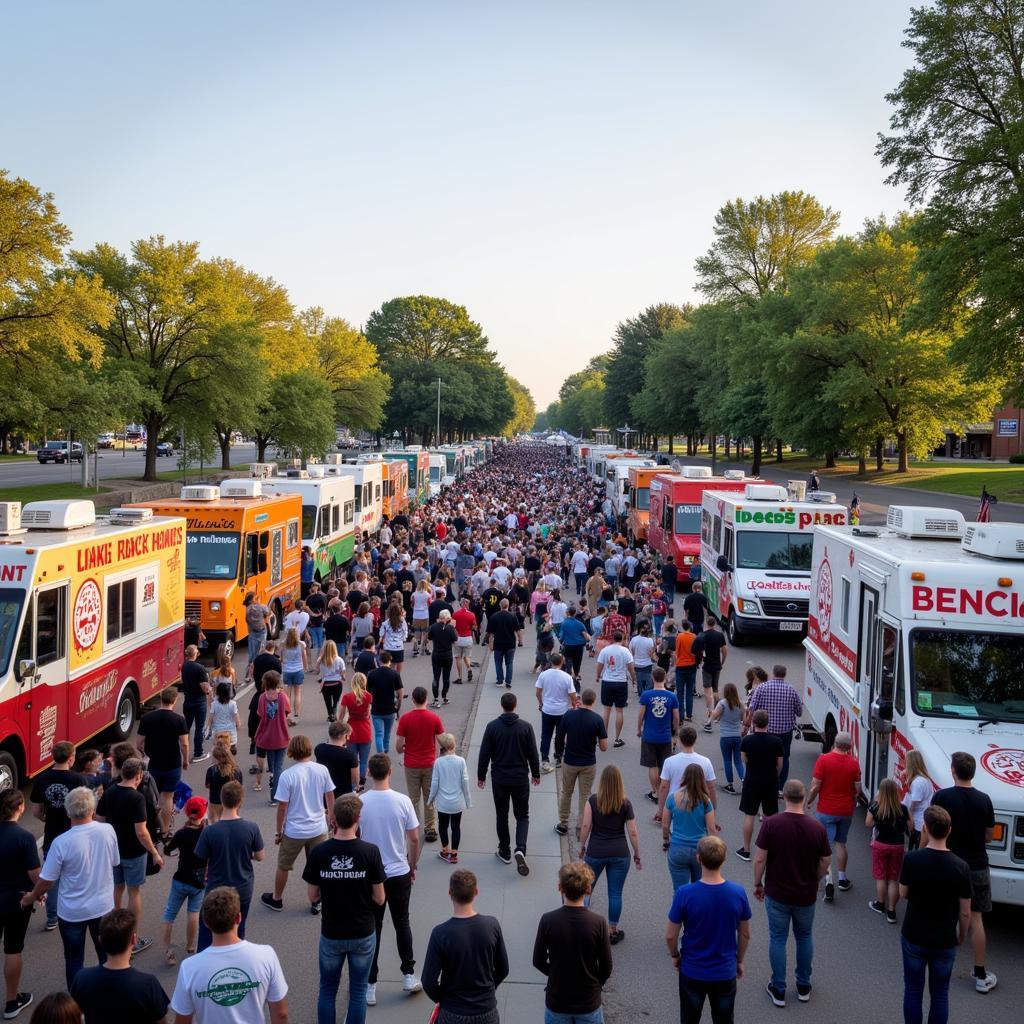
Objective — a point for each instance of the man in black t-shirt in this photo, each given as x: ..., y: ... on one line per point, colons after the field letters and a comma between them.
x: 347, y: 875
x: 762, y: 754
x: 49, y: 788
x: 384, y: 685
x: 195, y: 690
x: 266, y: 661
x: 711, y: 650
x: 502, y: 627
x: 163, y: 737
x: 335, y: 756
x: 19, y: 871
x: 337, y: 627
x: 367, y: 659
x: 584, y: 732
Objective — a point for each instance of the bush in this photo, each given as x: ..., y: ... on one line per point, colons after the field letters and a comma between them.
x: 1017, y: 459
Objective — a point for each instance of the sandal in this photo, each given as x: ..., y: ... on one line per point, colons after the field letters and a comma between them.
x: 257, y: 788
x: 170, y: 957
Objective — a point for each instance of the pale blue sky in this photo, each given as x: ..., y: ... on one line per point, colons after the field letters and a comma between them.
x: 554, y: 166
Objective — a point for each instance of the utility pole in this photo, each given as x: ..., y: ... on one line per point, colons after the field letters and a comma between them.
x: 438, y: 441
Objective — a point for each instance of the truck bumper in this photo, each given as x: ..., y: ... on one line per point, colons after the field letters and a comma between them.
x: 1007, y: 885
x: 759, y: 625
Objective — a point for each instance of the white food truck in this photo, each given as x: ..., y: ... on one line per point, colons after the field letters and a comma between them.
x: 916, y: 641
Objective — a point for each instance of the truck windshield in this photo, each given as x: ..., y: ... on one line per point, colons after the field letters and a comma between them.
x: 763, y: 550
x: 643, y: 498
x: 688, y: 519
x: 11, y: 601
x: 308, y: 521
x: 967, y: 675
x: 435, y: 474
x: 211, y: 555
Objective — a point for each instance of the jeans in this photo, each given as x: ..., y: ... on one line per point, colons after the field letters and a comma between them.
x: 552, y: 724
x: 503, y: 666
x: 382, y: 725
x: 787, y: 743
x: 574, y: 656
x: 554, y: 1017
x: 255, y: 642
x: 730, y: 747
x: 72, y: 934
x: 397, y: 892
x: 617, y: 868
x: 658, y: 620
x: 581, y: 582
x: 455, y: 821
x: 316, y: 634
x: 779, y: 917
x: 519, y: 795
x: 939, y: 963
x: 333, y: 953
x: 363, y: 753
x: 683, y: 866
x: 686, y: 679
x: 195, y: 717
x: 721, y: 996
x: 206, y: 936
x: 51, y: 898
x: 643, y: 678
x: 442, y: 670
x: 275, y: 765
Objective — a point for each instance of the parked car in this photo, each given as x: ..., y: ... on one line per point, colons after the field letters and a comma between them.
x: 164, y: 448
x: 105, y: 441
x: 57, y: 451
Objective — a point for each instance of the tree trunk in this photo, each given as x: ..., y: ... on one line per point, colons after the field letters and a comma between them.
x: 830, y: 459
x: 5, y: 438
x: 261, y: 447
x: 901, y: 446
x: 740, y: 449
x: 728, y: 441
x: 879, y: 454
x: 224, y: 440
x: 713, y: 446
x: 671, y: 439
x: 862, y: 461
x: 778, y: 450
x: 153, y: 425
x: 755, y: 467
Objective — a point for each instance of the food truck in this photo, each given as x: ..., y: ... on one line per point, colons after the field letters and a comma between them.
x: 418, y: 462
x: 639, y: 511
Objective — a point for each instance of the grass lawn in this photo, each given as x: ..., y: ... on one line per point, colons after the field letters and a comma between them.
x: 192, y: 473
x: 49, y: 492
x: 4, y: 459
x: 1005, y: 482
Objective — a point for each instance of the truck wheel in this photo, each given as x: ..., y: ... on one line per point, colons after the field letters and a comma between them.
x: 736, y: 638
x: 8, y: 771
x: 274, y: 626
x: 828, y: 736
x: 229, y: 644
x: 127, y: 714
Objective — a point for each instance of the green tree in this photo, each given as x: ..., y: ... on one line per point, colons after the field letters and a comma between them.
x: 298, y: 416
x: 667, y: 403
x: 525, y: 414
x: 543, y: 420
x: 423, y: 328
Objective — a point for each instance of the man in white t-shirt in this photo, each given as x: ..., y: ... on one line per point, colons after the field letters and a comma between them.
x: 232, y: 981
x: 501, y: 573
x: 305, y: 797
x: 511, y: 521
x: 388, y: 820
x: 578, y: 563
x: 297, y: 619
x: 674, y: 767
x: 614, y: 672
x: 556, y: 694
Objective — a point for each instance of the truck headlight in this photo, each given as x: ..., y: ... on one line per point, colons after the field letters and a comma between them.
x: 215, y: 606
x: 748, y: 606
x: 998, y: 841
x: 688, y: 559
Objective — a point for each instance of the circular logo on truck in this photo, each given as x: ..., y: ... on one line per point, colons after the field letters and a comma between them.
x: 1006, y: 764
x: 86, y: 615
x: 823, y: 586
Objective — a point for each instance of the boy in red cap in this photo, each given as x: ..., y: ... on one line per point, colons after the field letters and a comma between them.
x: 189, y: 880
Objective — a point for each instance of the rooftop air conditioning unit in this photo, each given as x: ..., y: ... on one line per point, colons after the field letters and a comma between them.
x: 765, y: 492
x: 995, y: 540
x: 316, y: 472
x: 334, y: 459
x: 822, y: 497
x: 10, y: 518
x: 734, y: 474
x: 797, y: 489
x: 124, y: 516
x: 296, y: 474
x: 922, y: 521
x: 200, y: 492
x: 58, y: 515
x: 262, y: 470
x: 241, y: 489
x: 697, y: 472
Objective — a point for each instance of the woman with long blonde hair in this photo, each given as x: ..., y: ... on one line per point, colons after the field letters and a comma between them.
x: 294, y: 666
x: 357, y: 702
x: 393, y: 634
x: 606, y: 834
x: 421, y: 599
x: 889, y: 822
x: 332, y: 676
x: 690, y: 816
x: 919, y: 789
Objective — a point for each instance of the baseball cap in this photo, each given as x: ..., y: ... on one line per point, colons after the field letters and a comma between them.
x: 195, y: 807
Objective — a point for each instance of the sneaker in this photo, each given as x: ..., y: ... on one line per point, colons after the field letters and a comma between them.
x: 878, y: 908
x: 987, y: 983
x: 444, y: 700
x: 890, y: 916
x: 444, y: 855
x: 435, y: 703
x: 371, y: 995
x: 729, y: 788
x: 453, y: 857
x: 652, y: 796
x: 562, y: 830
x: 803, y: 993
x: 253, y: 769
x: 508, y: 686
x: 545, y: 767
x: 503, y: 857
x: 777, y: 997
x: 469, y: 677
x: 410, y: 983
x: 316, y: 907
x: 743, y: 855
x: 708, y: 727
x: 267, y: 899
x: 141, y: 945
x: 619, y: 743
x: 844, y: 885
x: 200, y: 757
x: 50, y: 926
x: 521, y: 866
x: 14, y: 1006
x: 830, y: 892
x: 430, y: 837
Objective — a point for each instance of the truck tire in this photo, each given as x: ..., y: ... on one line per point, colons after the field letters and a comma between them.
x: 828, y: 735
x: 126, y: 714
x: 229, y: 644
x: 276, y: 618
x: 8, y: 771
x: 736, y: 638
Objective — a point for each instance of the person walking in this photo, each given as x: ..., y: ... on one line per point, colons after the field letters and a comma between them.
x: 223, y: 717
x: 584, y: 735
x: 556, y: 695
x: 686, y: 668
x: 345, y: 876
x: 442, y: 638
x: 689, y: 816
x: 641, y: 646
x: 835, y: 784
x: 889, y: 822
x: 449, y: 796
x: 223, y: 770
x: 711, y: 650
x: 936, y: 885
x: 305, y: 797
x: 729, y: 713
x: 762, y: 754
x: 573, y: 642
x: 195, y: 692
x: 294, y: 664
x: 792, y: 857
x: 973, y: 827
x: 674, y: 768
x: 509, y: 749
x: 163, y: 738
x: 332, y: 677
x: 466, y: 959
x: 465, y: 626
x: 257, y: 622
x: 339, y: 759
x: 614, y: 673
x: 502, y: 627
x: 316, y: 605
x: 918, y: 795
x: 418, y: 730
x: 657, y: 723
x: 784, y: 707
x: 394, y: 632
x: 19, y: 872
x: 384, y: 685
x: 608, y: 822
x: 358, y: 703
x: 188, y: 880
x: 714, y: 917
x: 272, y: 735
x: 696, y: 608
x: 388, y: 820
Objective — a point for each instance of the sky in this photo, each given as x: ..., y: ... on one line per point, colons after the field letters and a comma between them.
x: 553, y: 165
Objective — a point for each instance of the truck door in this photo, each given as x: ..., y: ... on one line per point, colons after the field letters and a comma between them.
x: 44, y: 695
x: 881, y: 707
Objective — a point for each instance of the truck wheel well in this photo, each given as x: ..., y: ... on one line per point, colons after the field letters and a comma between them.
x: 12, y: 745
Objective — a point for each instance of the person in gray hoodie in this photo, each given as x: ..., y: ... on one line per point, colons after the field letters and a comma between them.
x: 509, y: 749
x: 449, y: 796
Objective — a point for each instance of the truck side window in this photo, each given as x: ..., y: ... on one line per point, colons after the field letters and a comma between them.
x: 120, y: 610
x: 716, y: 534
x: 350, y: 512
x: 50, y: 615
x: 24, y: 641
x: 335, y: 518
x: 252, y: 551
x: 376, y: 491
x: 727, y: 550
x: 890, y: 662
x: 705, y: 526
x: 666, y: 515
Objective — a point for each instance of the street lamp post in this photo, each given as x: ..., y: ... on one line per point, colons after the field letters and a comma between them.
x: 438, y: 442
x: 625, y: 431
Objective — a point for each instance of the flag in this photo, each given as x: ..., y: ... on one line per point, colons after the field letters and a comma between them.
x: 985, y: 509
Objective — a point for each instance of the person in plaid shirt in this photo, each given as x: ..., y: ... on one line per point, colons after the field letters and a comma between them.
x: 784, y: 707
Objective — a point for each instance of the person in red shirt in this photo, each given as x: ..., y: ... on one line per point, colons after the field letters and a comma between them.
x: 465, y: 627
x: 417, y: 734
x: 441, y: 530
x: 835, y: 785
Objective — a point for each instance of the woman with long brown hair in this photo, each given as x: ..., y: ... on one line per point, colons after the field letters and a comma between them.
x: 889, y: 822
x: 357, y: 702
x: 607, y: 832
x: 919, y: 789
x: 690, y: 816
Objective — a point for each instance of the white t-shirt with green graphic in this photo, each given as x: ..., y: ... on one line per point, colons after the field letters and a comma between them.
x: 229, y: 984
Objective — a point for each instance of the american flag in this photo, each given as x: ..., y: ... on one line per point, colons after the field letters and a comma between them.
x: 985, y: 509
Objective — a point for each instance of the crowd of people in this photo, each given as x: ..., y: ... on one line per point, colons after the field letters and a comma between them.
x: 518, y: 553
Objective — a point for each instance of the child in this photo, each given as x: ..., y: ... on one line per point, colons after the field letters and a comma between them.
x: 223, y: 715
x: 332, y: 675
x: 545, y: 645
x: 89, y: 764
x: 222, y: 770
x: 889, y: 821
x: 449, y: 795
x: 188, y: 880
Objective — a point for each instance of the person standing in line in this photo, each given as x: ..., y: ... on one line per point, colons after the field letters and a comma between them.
x: 305, y: 797
x: 792, y: 857
x: 345, y: 875
x: 418, y: 730
x: 784, y: 707
x: 295, y: 665
x: 449, y: 796
x: 465, y: 626
x: 973, y: 826
x: 50, y: 789
x: 466, y: 959
x: 257, y: 620
x: 642, y: 648
x: 674, y: 768
x: 229, y: 848
x: 388, y: 820
x: 689, y: 817
x: 614, y: 673
x: 584, y: 734
x: 936, y: 885
x: 223, y: 718
x: 358, y: 703
x: 339, y: 759
x: 266, y: 661
x: 82, y: 860
x: 608, y: 821
x: 384, y: 685
x: 394, y: 631
x: 556, y: 695
x: 696, y: 608
x: 163, y: 738
x: 686, y: 668
x: 195, y: 691
x: 711, y: 650
x: 716, y: 915
x: 656, y: 725
x: 573, y: 951
x: 19, y: 872
x: 211, y: 989
x: 578, y: 564
x: 502, y: 628
x: 316, y: 605
x: 669, y: 578
x: 272, y: 732
x: 574, y: 640
x: 889, y: 822
x: 188, y: 879
x: 730, y: 713
x: 836, y: 785
x: 443, y: 638
x: 762, y: 755
x: 918, y: 796
x: 509, y: 748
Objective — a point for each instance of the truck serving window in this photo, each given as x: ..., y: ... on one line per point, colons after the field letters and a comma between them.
x: 11, y: 601
x: 211, y: 555
x: 642, y: 500
x: 757, y: 550
x: 688, y: 519
x: 120, y: 610
x: 308, y: 521
x: 967, y: 675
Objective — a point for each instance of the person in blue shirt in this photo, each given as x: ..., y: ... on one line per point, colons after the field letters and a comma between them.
x: 656, y: 725
x: 714, y: 916
x: 574, y: 639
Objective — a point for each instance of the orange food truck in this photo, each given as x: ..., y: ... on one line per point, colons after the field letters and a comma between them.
x: 396, y: 487
x: 91, y: 624
x: 639, y: 492
x: 247, y: 542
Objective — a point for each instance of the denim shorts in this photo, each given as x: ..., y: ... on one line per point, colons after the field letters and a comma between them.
x: 180, y: 892
x: 166, y: 780
x: 296, y: 678
x: 837, y: 827
x: 131, y: 871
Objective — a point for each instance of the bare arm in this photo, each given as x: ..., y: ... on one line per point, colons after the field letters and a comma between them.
x: 640, y: 719
x: 279, y: 1012
x: 143, y: 836
x: 634, y: 839
x: 742, y: 941
x: 586, y: 825
x: 814, y: 790
x: 823, y: 866
x: 413, y: 835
